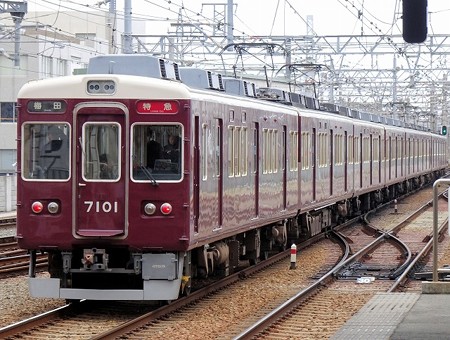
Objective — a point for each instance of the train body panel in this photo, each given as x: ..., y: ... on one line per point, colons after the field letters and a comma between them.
x: 236, y: 190
x: 146, y: 184
x: 362, y: 159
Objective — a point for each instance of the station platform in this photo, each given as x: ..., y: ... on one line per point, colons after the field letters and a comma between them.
x: 400, y: 316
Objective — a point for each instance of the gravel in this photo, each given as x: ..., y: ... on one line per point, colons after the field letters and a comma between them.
x: 16, y: 304
x: 8, y: 231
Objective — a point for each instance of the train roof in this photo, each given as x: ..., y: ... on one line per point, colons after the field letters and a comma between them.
x: 146, y: 70
x: 134, y: 64
x: 57, y: 87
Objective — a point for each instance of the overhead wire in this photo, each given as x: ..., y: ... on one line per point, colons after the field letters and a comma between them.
x: 368, y: 20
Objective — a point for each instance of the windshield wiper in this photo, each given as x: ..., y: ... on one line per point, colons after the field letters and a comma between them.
x: 147, y: 173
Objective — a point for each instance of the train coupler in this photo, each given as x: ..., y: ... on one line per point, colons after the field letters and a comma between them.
x: 95, y: 259
x: 67, y: 261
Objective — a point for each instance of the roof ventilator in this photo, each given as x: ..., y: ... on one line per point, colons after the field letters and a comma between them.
x: 201, y: 79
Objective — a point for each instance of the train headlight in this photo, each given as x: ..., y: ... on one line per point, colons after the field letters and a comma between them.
x: 37, y: 207
x: 166, y: 209
x: 149, y: 208
x: 101, y: 87
x: 53, y: 207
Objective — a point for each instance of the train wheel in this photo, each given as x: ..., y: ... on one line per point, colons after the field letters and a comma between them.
x: 252, y: 262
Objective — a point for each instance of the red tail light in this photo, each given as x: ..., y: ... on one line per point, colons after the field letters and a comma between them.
x: 37, y: 207
x: 166, y: 209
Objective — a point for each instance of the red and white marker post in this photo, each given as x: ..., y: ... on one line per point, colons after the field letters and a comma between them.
x: 293, y: 256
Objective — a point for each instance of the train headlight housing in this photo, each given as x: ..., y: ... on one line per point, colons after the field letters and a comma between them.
x: 37, y: 207
x: 101, y: 87
x: 53, y: 207
x: 166, y: 208
x: 149, y: 208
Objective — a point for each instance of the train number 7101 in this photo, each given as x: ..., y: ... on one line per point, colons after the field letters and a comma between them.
x: 97, y: 206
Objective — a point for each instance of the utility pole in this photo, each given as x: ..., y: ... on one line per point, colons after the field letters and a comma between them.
x: 112, y: 25
x: 17, y: 10
x: 230, y: 24
x: 127, y: 42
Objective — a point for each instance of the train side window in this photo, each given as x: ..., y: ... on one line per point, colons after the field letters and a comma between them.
x: 376, y: 150
x: 275, y: 148
x: 293, y: 155
x: 307, y: 150
x: 231, y: 151
x: 356, y: 150
x: 204, y: 154
x: 244, y: 152
x: 350, y: 152
x: 231, y: 115
x: 266, y: 151
x: 338, y: 158
x: 45, y: 151
x: 237, y: 151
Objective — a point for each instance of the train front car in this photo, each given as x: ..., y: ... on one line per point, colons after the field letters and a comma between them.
x: 103, y: 187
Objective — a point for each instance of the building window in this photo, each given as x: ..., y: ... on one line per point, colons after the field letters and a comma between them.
x: 7, y: 112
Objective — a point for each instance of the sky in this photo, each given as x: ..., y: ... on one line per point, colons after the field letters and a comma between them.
x: 272, y: 17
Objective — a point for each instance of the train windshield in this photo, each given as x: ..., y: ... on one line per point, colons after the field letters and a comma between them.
x: 157, y: 153
x: 45, y: 151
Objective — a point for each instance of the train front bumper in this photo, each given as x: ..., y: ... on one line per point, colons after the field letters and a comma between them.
x: 153, y: 290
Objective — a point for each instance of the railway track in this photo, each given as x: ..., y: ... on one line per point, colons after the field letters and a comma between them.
x: 303, y: 313
x: 14, y: 260
x: 54, y: 319
x: 7, y: 243
x: 227, y: 312
x: 7, y: 221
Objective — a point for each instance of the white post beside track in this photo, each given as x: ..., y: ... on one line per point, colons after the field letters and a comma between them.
x: 293, y: 256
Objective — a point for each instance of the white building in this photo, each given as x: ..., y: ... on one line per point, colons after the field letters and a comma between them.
x: 52, y: 44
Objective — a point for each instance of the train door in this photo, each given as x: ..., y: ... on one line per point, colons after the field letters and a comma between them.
x: 396, y: 157
x: 402, y: 155
x: 196, y: 172
x: 390, y: 157
x: 379, y: 156
x: 284, y: 166
x: 314, y: 164
x: 345, y: 162
x: 255, y: 171
x: 361, y: 160
x: 218, y: 154
x: 371, y: 159
x: 331, y: 162
x: 408, y: 150
x: 100, y: 193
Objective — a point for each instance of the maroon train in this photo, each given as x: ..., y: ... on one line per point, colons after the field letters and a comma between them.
x: 136, y: 183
